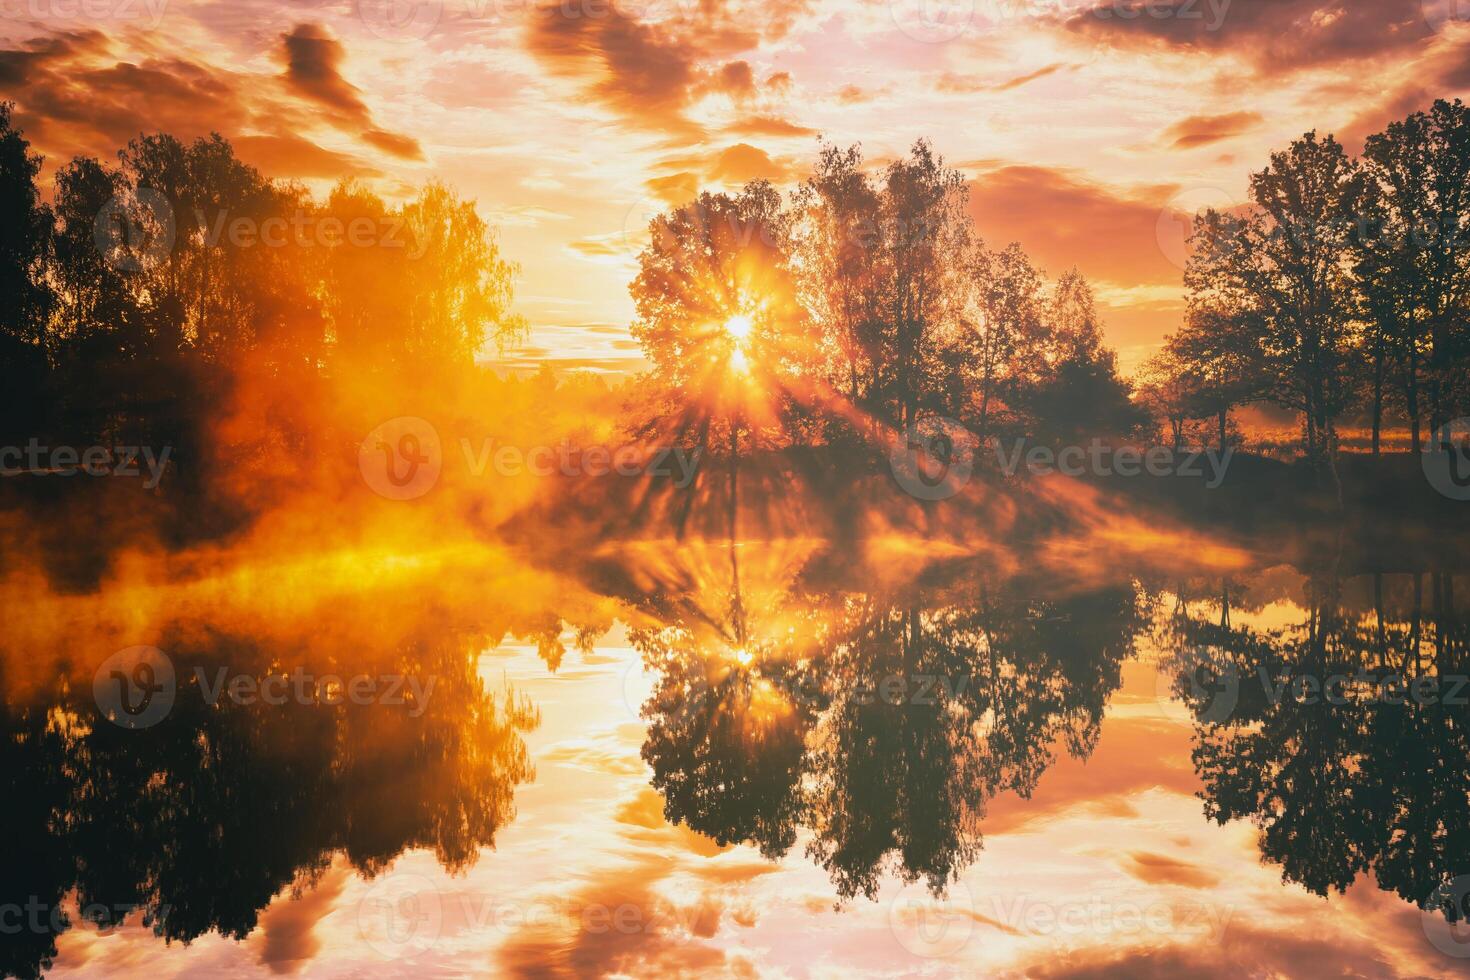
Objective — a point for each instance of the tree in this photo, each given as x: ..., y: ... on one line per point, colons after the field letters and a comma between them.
x: 1076, y: 390
x: 1412, y: 261
x: 94, y: 296
x: 1003, y: 314
x: 1169, y: 390
x: 460, y: 287
x: 835, y: 261
x: 1282, y: 267
x: 25, y: 237
x: 923, y: 229
x: 1220, y: 351
x: 713, y: 296
x: 25, y: 243
x: 156, y: 171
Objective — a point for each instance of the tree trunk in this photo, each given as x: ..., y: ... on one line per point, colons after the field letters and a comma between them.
x: 1411, y: 396
x: 1224, y: 416
x: 1377, y: 398
x: 1331, y: 436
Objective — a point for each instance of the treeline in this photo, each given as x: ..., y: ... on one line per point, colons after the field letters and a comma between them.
x: 1340, y: 289
x: 860, y: 303
x: 833, y: 315
x: 143, y: 288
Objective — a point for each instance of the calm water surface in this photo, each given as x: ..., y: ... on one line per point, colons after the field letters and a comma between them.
x: 770, y: 758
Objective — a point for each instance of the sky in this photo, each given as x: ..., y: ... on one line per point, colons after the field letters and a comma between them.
x: 1088, y: 129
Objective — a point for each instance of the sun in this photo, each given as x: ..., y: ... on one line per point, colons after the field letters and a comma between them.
x: 738, y: 328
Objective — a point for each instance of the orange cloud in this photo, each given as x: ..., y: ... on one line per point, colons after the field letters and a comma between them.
x: 1277, y: 38
x: 313, y: 58
x: 1065, y: 220
x: 77, y: 94
x: 1161, y: 869
x: 641, y: 71
x: 742, y: 162
x: 1197, y: 131
x: 288, y: 936
x: 963, y: 84
x: 767, y: 126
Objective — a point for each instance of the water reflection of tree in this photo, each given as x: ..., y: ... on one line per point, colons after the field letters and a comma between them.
x: 880, y: 725
x: 199, y: 821
x: 1376, y: 784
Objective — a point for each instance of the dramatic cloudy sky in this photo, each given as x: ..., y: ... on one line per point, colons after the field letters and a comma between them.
x: 1087, y: 129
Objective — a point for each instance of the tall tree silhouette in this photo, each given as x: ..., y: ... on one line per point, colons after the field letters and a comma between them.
x: 1284, y: 266
x: 1412, y: 260
x: 25, y: 243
